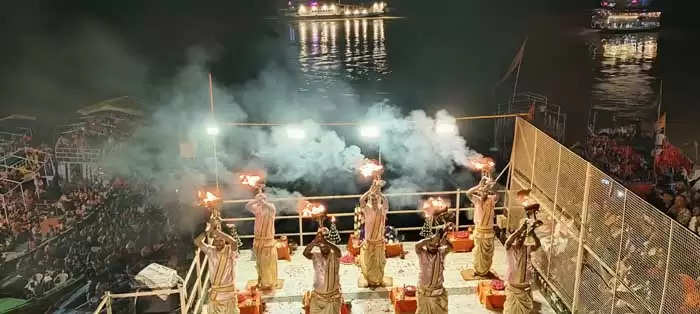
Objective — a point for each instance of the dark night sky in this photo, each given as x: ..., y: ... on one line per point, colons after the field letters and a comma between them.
x: 60, y: 55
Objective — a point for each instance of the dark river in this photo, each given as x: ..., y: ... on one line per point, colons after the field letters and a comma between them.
x: 430, y: 66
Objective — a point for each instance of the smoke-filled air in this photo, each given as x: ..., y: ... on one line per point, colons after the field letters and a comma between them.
x: 301, y: 156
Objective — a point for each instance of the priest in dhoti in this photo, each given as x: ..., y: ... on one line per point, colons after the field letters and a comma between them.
x: 326, y: 297
x: 431, y: 295
x: 484, y: 199
x: 264, y: 241
x: 374, y: 206
x: 518, y: 248
x: 222, y: 255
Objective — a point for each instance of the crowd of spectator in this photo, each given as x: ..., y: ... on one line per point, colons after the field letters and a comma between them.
x: 623, y: 153
x: 632, y: 158
x: 121, y: 231
x: 97, y: 130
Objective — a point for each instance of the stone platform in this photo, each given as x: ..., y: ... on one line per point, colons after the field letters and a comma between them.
x: 298, y: 278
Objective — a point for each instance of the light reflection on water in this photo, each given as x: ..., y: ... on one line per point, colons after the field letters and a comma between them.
x: 334, y: 51
x: 624, y: 80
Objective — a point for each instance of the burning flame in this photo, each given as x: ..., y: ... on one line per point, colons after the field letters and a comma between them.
x: 312, y: 210
x: 434, y: 203
x: 333, y: 219
x: 483, y: 163
x: 250, y: 180
x: 207, y: 197
x: 370, y: 167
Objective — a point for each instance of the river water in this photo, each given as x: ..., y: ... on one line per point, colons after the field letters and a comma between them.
x: 428, y: 65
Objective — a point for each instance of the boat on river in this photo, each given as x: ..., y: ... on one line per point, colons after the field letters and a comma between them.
x: 611, y: 18
x: 332, y: 10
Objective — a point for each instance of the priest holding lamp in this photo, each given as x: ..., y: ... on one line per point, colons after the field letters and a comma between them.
x: 374, y: 206
x: 325, y: 297
x: 484, y: 199
x: 431, y: 295
x: 222, y: 255
x: 264, y: 240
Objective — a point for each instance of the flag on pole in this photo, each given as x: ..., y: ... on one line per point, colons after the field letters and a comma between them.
x: 515, y: 64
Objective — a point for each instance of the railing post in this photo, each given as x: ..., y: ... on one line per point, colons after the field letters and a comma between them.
x: 668, y: 260
x: 581, y: 238
x: 183, y: 302
x: 619, y: 253
x: 509, y: 179
x: 457, y: 204
x: 301, y: 231
x: 553, y: 211
x: 534, y: 158
x: 109, y: 302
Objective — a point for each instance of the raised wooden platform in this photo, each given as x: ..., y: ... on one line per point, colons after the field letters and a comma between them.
x: 298, y: 278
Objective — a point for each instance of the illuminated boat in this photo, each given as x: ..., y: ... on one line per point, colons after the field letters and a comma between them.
x: 314, y: 9
x: 635, y: 18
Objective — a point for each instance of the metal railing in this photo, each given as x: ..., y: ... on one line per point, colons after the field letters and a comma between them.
x: 194, y: 288
x: 456, y: 200
x: 75, y: 154
x: 604, y: 249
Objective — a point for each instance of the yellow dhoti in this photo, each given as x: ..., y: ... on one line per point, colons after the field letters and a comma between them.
x: 372, y: 261
x: 518, y: 299
x: 483, y: 251
x: 229, y: 306
x: 325, y: 303
x: 266, y: 262
x: 431, y: 301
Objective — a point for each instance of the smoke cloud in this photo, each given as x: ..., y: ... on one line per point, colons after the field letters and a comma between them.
x: 324, y: 161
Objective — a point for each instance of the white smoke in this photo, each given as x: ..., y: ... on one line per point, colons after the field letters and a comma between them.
x: 417, y: 158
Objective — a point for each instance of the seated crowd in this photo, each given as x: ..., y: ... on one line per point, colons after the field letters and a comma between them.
x: 107, y: 248
x: 96, y: 130
x: 628, y: 156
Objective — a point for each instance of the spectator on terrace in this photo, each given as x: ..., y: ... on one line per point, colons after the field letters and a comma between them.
x: 679, y: 211
x: 694, y: 224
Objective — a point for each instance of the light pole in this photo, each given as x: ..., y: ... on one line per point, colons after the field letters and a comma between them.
x: 213, y: 131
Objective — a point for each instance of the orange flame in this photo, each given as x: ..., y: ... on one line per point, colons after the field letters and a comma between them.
x: 207, y: 197
x: 309, y: 209
x: 250, y: 180
x: 483, y: 163
x: 370, y: 167
x: 434, y: 204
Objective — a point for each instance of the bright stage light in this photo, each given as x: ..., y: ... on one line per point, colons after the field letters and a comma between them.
x: 445, y: 128
x: 369, y: 131
x: 212, y: 130
x: 296, y: 133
